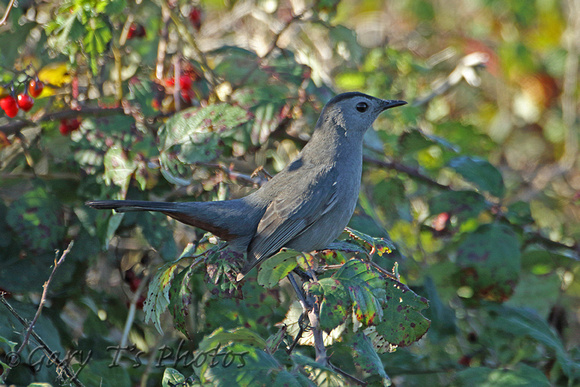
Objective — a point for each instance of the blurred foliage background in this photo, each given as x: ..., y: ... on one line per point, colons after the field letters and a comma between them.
x: 477, y: 181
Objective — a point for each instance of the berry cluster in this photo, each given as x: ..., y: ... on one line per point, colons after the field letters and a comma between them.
x: 136, y: 30
x: 23, y: 101
x: 164, y: 94
x: 68, y: 125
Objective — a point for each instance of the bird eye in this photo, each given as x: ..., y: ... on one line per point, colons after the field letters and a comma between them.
x: 362, y: 107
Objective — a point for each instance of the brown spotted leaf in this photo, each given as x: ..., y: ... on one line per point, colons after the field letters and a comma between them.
x: 370, y: 244
x: 367, y: 358
x: 195, y: 133
x: 277, y: 267
x: 158, y: 295
x: 180, y: 299
x: 402, y: 323
x: 489, y: 261
x: 354, y: 287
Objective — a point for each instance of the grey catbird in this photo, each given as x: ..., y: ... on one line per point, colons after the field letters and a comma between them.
x: 306, y: 205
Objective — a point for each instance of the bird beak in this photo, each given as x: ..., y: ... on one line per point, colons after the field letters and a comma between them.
x: 387, y: 104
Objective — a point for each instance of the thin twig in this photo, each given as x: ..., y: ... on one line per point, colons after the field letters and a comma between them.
x: 383, y: 271
x: 347, y: 375
x: 236, y: 176
x: 406, y: 170
x: 272, y: 47
x: 52, y: 356
x: 44, y: 294
x: 465, y: 69
x: 201, y: 59
x: 162, y: 45
x: 319, y: 348
x: 7, y: 13
x: 131, y: 317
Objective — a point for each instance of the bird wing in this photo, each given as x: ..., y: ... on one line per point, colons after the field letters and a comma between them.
x: 291, y: 213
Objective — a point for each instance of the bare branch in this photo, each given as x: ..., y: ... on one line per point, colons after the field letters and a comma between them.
x: 7, y: 13
x: 51, y: 355
x: 413, y: 172
x: 44, y: 294
x: 92, y: 111
x: 465, y: 69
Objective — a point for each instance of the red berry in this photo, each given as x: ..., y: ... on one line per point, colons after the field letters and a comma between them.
x: 8, y: 104
x: 25, y: 102
x: 185, y: 82
x: 186, y: 96
x: 68, y: 125
x: 136, y: 31
x: 35, y: 87
x: 195, y: 16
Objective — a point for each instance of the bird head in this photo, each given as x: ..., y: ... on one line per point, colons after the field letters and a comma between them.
x: 354, y: 111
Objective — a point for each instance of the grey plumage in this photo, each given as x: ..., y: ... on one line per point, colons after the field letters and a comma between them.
x: 306, y: 205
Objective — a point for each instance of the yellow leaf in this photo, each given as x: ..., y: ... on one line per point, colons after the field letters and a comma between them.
x: 55, y: 74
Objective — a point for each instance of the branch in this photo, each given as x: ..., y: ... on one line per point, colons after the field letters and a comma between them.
x: 131, y: 317
x: 14, y: 127
x: 7, y: 13
x: 413, y: 172
x: 52, y: 356
x: 186, y: 33
x: 236, y: 176
x: 465, y: 69
x: 43, y: 297
x: 272, y: 47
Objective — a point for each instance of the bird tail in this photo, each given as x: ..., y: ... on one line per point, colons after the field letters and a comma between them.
x: 227, y: 219
x: 131, y: 205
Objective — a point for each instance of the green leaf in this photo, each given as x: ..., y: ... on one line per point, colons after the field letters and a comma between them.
x: 295, y: 378
x: 523, y: 322
x: 367, y: 358
x: 402, y: 323
x: 489, y: 259
x: 520, y: 213
x: 336, y: 305
x: 345, y: 38
x: 235, y: 357
x: 481, y: 173
x: 180, y: 299
x: 371, y: 244
x: 118, y: 169
x: 195, y: 133
x: 158, y: 295
x: 100, y: 373
x: 346, y: 247
x: 413, y: 141
x: 276, y: 339
x: 158, y: 231
x: 376, y: 301
x: 36, y: 219
x: 324, y: 375
x: 463, y: 204
x: 364, y: 287
x: 277, y: 267
x: 172, y: 378
x: 521, y: 375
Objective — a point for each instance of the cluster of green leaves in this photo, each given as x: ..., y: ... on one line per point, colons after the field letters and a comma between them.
x: 448, y: 177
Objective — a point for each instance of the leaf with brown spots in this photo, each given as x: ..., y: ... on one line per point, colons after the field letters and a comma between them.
x: 275, y: 268
x: 402, y: 323
x: 367, y: 358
